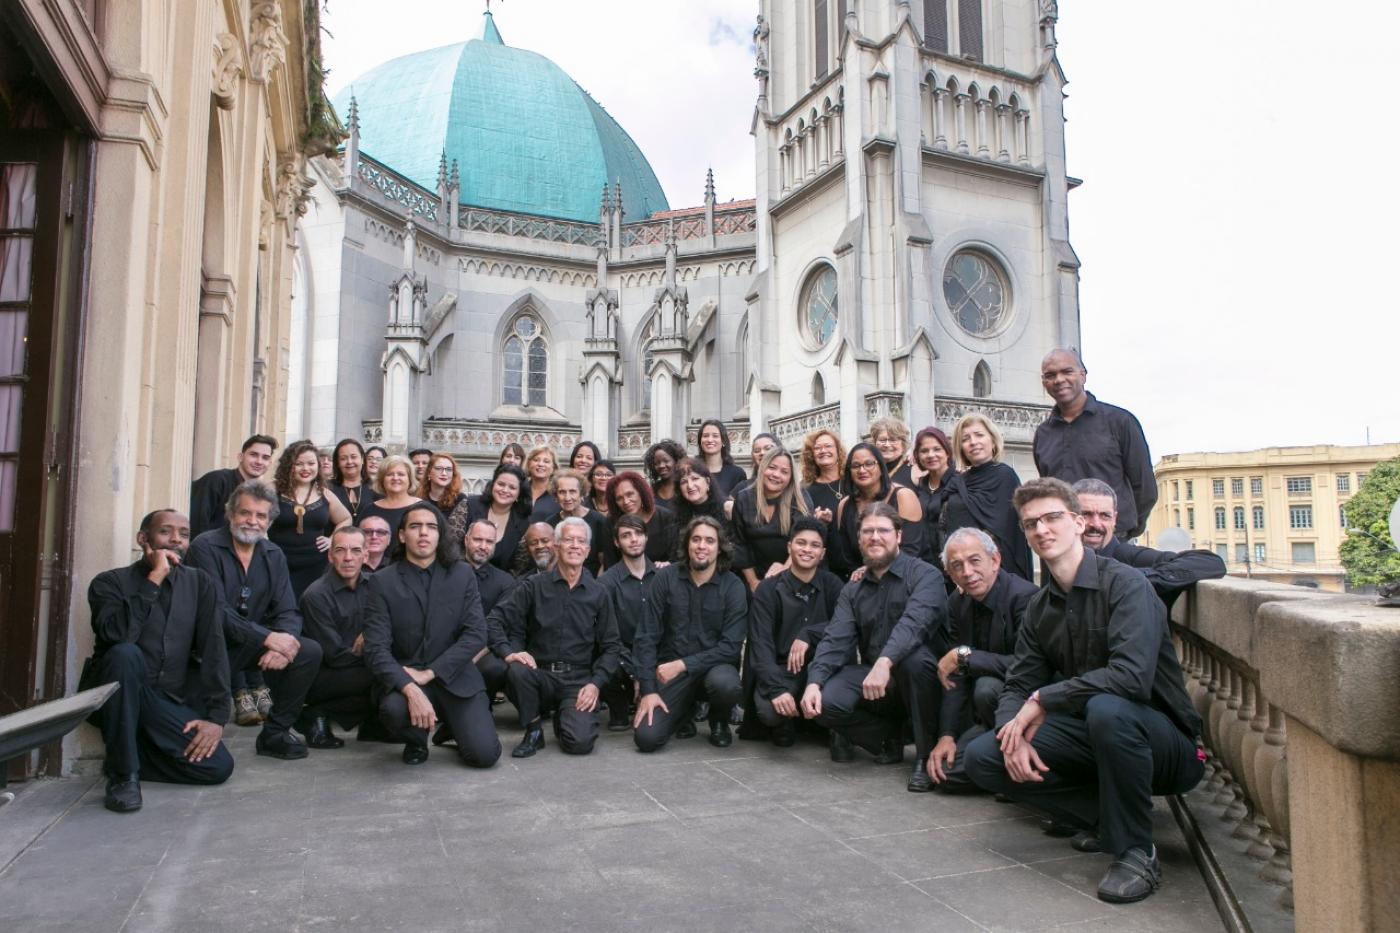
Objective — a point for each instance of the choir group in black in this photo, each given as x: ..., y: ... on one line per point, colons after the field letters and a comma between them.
x: 881, y: 595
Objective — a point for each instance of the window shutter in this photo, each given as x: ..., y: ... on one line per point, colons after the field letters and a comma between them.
x: 970, y: 29
x: 821, y: 42
x: 936, y: 25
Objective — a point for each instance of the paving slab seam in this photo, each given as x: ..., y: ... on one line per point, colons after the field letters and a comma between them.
x: 942, y: 903
x: 47, y: 826
x: 846, y: 845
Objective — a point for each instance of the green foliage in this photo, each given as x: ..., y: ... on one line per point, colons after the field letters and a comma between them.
x: 1368, y: 553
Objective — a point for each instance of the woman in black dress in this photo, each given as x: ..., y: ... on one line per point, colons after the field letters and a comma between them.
x: 822, y: 457
x: 393, y: 483
x: 583, y: 456
x: 933, y: 455
x: 891, y: 437
x: 869, y: 481
x: 713, y: 443
x: 763, y: 515
x: 505, y: 503
x: 697, y: 493
x: 660, y: 461
x: 540, y: 464
x: 980, y: 496
x: 374, y: 456
x: 629, y: 494
x: 442, y: 484
x: 512, y: 454
x: 599, y: 476
x: 306, y: 516
x: 348, y: 481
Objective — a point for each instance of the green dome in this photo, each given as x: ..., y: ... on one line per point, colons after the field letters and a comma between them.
x: 526, y: 137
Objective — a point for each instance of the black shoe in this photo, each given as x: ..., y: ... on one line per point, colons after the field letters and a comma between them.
x: 1053, y: 827
x: 891, y: 752
x: 531, y: 743
x: 720, y: 736
x: 1086, y: 841
x: 702, y: 711
x: 686, y: 730
x: 1002, y: 798
x: 372, y: 730
x: 321, y: 736
x: 443, y: 735
x: 736, y: 715
x: 841, y: 749
x: 618, y: 720
x: 415, y: 754
x: 919, y: 781
x: 784, y: 736
x: 123, y: 794
x: 1132, y: 877
x: 282, y: 745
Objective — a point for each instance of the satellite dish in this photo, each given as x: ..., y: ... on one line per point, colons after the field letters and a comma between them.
x: 1395, y: 523
x: 1176, y: 539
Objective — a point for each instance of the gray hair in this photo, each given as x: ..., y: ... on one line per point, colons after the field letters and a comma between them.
x: 976, y: 534
x: 573, y: 521
x: 1095, y: 487
x: 258, y: 492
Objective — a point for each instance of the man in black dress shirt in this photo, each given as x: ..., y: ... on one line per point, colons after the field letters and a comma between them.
x: 884, y: 621
x: 209, y: 494
x: 627, y: 581
x: 333, y: 612
x: 786, y: 620
x: 1084, y: 437
x: 1095, y: 718
x: 261, y: 623
x: 563, y: 646
x: 984, y: 619
x: 157, y: 633
x: 687, y: 645
x: 423, y: 627
x: 1170, y: 574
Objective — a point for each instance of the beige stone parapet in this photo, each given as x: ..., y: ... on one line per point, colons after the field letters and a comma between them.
x: 1300, y: 696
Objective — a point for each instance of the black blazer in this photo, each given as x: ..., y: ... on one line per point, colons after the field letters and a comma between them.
x: 442, y: 633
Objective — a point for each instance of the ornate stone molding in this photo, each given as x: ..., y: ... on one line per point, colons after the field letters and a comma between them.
x: 267, y: 41
x: 293, y: 190
x: 791, y: 429
x: 526, y: 272
x: 1011, y: 417
x: 228, y: 68
x: 418, y: 202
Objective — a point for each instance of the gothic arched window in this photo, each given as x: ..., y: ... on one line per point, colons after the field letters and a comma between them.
x: 818, y: 306
x: 818, y: 390
x: 648, y: 333
x: 525, y: 362
x: 982, y: 380
x: 976, y: 291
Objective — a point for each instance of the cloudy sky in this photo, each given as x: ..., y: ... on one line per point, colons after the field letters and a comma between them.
x: 1238, y: 219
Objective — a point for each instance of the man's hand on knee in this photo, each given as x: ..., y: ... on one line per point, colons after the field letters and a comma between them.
x: 812, y: 701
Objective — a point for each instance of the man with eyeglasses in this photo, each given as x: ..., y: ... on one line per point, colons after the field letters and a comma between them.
x: 1083, y: 437
x: 261, y: 621
x: 884, y: 620
x: 1095, y: 718
x: 423, y: 627
x: 333, y: 609
x: 376, y: 531
x: 1170, y: 573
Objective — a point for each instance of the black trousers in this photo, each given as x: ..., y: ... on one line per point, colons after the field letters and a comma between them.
x: 342, y: 693
x: 288, y: 686
x: 493, y: 672
x: 794, y: 684
x: 143, y: 728
x: 913, y: 693
x: 617, y: 693
x: 469, y: 718
x: 1104, y: 769
x: 720, y: 685
x: 538, y: 691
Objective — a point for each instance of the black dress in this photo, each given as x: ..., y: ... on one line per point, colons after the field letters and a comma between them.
x: 980, y: 497
x: 472, y: 510
x: 904, y: 475
x: 843, y: 544
x: 932, y: 502
x: 826, y: 495
x: 759, y: 544
x: 355, y: 499
x: 305, y: 563
x: 729, y: 478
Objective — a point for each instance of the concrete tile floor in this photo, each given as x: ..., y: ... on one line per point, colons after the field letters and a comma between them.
x: 692, y: 838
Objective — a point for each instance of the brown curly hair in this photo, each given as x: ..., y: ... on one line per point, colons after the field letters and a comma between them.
x: 282, y: 479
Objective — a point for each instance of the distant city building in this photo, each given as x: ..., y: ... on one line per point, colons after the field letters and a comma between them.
x: 1274, y: 514
x: 491, y: 258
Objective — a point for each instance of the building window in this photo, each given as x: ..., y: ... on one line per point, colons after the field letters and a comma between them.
x: 976, y: 292
x: 1217, y: 488
x: 1256, y: 486
x: 820, y: 40
x: 1176, y: 518
x: 819, y: 311
x: 970, y: 29
x: 1237, y: 487
x: 526, y: 357
x: 1360, y: 478
x: 1222, y: 551
x: 1300, y: 516
x: 1259, y: 553
x: 982, y: 380
x: 1190, y: 519
x: 818, y: 389
x: 1190, y: 489
x: 1342, y: 516
x: 1239, y: 518
x: 1176, y: 489
x: 1258, y: 518
x: 1304, y: 552
x: 1241, y: 553
x: 1343, y: 482
x: 936, y: 25
x: 1299, y: 485
x: 1219, y: 519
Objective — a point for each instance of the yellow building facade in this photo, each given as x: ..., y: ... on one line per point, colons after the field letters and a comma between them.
x: 1273, y: 514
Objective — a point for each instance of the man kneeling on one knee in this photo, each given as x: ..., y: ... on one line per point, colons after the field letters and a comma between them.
x: 1095, y: 718
x: 563, y: 645
x: 884, y: 620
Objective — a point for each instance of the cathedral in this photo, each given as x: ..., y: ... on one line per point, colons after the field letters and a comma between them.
x: 490, y: 258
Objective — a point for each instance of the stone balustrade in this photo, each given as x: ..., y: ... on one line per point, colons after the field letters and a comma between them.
x: 809, y: 136
x: 976, y: 110
x: 1300, y: 695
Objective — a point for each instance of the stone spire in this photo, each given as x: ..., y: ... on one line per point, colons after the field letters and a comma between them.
x: 617, y: 213
x: 454, y: 195
x: 352, y: 139
x: 710, y: 204
x: 442, y: 185
x: 605, y: 215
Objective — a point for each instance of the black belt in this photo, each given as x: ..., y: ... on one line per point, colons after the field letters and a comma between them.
x: 559, y: 667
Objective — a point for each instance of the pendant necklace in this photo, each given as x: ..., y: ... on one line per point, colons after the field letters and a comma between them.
x: 299, y: 509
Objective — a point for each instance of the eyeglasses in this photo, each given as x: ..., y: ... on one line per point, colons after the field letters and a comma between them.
x: 375, y: 532
x: 1049, y: 518
x: 863, y: 465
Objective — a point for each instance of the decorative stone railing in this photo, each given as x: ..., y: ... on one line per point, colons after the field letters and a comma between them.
x: 977, y: 111
x: 1300, y: 696
x: 1016, y: 421
x: 791, y: 429
x: 810, y: 135
x: 396, y: 189
x: 481, y: 220
x: 732, y: 222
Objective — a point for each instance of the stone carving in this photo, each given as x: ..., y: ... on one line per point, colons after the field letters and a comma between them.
x: 293, y: 190
x: 555, y: 231
x: 791, y: 429
x: 268, y: 43
x: 228, y: 67
x: 1005, y: 414
x: 760, y: 51
x: 418, y: 202
x: 526, y: 273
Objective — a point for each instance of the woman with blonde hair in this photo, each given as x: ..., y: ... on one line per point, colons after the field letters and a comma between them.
x: 822, y: 457
x: 540, y: 464
x: 393, y: 483
x: 763, y: 515
x: 980, y: 496
x: 891, y: 437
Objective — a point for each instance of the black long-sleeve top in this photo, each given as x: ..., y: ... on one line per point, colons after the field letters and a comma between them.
x: 629, y: 596
x: 701, y: 625
x: 1108, y: 634
x: 784, y: 610
x: 931, y: 501
x: 760, y: 544
x: 333, y: 615
x: 888, y: 616
x: 1170, y: 573
x: 1104, y: 442
x: 729, y: 478
x: 176, y: 625
x: 428, y: 619
x: 990, y: 628
x: 209, y: 500
x: 558, y: 623
x: 256, y: 602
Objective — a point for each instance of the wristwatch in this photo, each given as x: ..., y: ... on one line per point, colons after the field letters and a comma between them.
x: 964, y: 652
